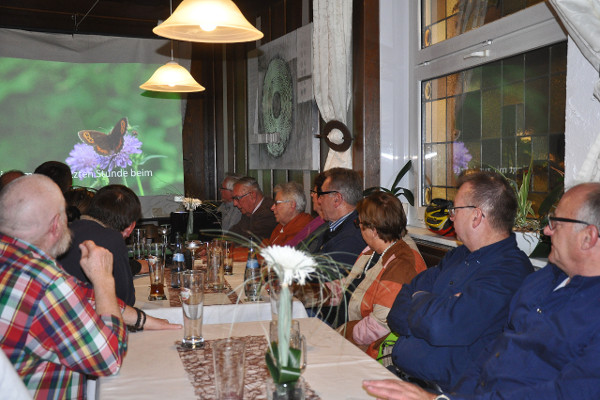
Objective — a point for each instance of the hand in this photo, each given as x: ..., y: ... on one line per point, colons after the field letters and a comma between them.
x: 96, y: 262
x: 394, y: 389
x: 159, y: 324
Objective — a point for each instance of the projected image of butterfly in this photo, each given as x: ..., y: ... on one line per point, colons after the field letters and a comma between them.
x: 106, y: 144
x: 101, y: 153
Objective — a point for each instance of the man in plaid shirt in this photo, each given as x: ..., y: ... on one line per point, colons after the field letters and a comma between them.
x: 54, y: 329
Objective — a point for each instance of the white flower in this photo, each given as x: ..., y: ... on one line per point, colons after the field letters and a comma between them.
x: 191, y: 203
x: 288, y: 263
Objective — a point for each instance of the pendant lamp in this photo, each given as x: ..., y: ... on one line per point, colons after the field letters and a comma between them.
x: 210, y: 21
x: 172, y: 77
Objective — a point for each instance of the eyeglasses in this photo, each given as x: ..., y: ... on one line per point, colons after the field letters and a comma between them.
x: 224, y: 188
x: 238, y: 198
x: 312, y: 191
x: 552, y: 220
x: 319, y: 193
x: 277, y: 202
x: 452, y: 210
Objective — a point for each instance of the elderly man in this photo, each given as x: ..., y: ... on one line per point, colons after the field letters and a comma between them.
x: 230, y: 214
x: 549, y: 348
x: 288, y: 208
x: 55, y: 330
x: 339, y: 194
x: 257, y: 219
x: 110, y: 219
x: 449, y: 313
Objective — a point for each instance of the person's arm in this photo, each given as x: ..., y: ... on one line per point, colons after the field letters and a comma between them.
x: 87, y: 340
x: 130, y: 316
x: 480, y: 303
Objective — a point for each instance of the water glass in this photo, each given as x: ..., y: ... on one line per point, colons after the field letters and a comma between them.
x: 139, y: 251
x: 192, y: 302
x: 227, y: 257
x: 228, y: 360
x: 139, y: 236
x: 156, y: 269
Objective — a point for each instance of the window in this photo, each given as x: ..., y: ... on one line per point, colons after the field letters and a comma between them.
x: 492, y: 96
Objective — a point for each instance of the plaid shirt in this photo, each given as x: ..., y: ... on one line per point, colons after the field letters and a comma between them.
x: 48, y: 326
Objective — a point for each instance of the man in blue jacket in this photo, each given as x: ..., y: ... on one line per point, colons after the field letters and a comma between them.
x: 550, y: 348
x: 449, y: 313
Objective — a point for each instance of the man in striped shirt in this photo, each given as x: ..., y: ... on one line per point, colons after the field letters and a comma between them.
x: 54, y: 329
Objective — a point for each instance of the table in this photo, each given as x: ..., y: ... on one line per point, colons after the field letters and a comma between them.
x: 218, y: 306
x: 153, y: 369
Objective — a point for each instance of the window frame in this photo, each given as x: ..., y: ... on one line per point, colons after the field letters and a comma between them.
x: 525, y: 30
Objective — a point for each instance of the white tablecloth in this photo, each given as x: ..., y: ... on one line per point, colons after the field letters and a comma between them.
x: 152, y: 368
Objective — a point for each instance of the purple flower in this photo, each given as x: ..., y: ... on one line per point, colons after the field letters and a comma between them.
x: 461, y: 157
x: 122, y: 159
x: 83, y: 160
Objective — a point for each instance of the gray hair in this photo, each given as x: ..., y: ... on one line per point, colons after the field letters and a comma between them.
x: 230, y: 180
x: 347, y: 182
x: 250, y: 183
x: 590, y: 209
x: 293, y: 191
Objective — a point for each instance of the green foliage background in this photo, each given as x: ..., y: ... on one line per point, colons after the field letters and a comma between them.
x: 44, y: 104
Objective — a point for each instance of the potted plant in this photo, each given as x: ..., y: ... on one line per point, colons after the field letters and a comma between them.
x: 396, y: 190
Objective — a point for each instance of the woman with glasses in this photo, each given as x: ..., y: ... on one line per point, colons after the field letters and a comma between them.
x: 380, y: 270
x: 318, y: 221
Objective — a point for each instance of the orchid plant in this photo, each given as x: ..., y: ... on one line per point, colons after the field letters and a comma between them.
x: 291, y: 266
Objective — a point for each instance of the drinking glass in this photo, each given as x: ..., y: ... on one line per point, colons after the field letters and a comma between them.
x: 228, y: 360
x: 156, y: 269
x: 192, y: 303
x: 216, y: 280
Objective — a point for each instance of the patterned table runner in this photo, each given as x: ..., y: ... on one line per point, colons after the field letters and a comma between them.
x: 199, y: 366
x: 174, y: 300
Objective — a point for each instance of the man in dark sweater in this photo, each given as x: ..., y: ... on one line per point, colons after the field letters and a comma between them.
x: 110, y: 220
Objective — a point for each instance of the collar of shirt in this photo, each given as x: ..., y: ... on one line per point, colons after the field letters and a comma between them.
x: 258, y: 205
x: 334, y: 225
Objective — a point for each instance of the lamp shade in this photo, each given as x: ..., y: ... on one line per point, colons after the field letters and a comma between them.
x: 172, y: 77
x: 211, y: 21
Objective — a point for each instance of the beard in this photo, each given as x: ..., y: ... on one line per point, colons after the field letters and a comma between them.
x: 64, y: 243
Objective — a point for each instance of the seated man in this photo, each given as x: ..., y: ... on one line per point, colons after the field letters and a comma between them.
x: 549, y: 348
x: 110, y: 219
x: 339, y: 194
x: 289, y: 212
x: 53, y: 329
x: 449, y: 313
x: 257, y: 219
x: 230, y: 214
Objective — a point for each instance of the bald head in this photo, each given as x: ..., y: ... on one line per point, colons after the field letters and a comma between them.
x: 32, y: 208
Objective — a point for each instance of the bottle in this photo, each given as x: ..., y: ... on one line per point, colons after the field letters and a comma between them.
x: 178, y: 262
x: 252, y: 276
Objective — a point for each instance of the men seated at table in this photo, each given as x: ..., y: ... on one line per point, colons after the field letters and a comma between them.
x: 449, y: 313
x: 257, y: 219
x: 343, y: 242
x: 383, y: 267
x: 110, y: 219
x: 55, y: 330
x: 318, y: 223
x: 288, y: 209
x: 230, y: 214
x: 549, y: 348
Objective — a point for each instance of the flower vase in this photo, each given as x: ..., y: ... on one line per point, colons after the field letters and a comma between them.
x: 285, y: 391
x: 190, y: 225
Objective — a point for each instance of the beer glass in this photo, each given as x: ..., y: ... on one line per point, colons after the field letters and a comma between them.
x: 192, y: 302
x: 156, y: 269
x: 216, y: 280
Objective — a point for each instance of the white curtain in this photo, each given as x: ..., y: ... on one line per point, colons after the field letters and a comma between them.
x: 581, y: 18
x: 332, y: 69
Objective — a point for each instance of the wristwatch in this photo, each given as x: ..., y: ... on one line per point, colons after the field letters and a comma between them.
x: 442, y: 397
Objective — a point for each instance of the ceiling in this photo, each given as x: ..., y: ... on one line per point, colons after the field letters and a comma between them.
x: 134, y: 18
